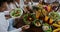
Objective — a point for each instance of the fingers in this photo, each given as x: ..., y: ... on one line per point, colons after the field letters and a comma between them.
x: 25, y: 27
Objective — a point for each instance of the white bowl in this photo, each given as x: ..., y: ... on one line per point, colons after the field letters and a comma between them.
x: 20, y: 13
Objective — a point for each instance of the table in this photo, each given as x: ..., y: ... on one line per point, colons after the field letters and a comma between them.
x: 19, y: 23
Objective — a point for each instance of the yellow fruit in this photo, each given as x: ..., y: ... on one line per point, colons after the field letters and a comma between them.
x: 49, y: 8
x: 56, y: 30
x: 50, y: 21
x: 46, y: 18
x: 59, y: 22
x: 37, y: 14
x: 44, y: 12
x: 56, y: 25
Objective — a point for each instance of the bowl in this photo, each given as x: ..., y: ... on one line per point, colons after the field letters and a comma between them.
x: 28, y: 18
x: 16, y: 13
x: 37, y: 23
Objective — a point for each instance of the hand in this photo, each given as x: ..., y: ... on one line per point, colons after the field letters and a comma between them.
x: 25, y: 27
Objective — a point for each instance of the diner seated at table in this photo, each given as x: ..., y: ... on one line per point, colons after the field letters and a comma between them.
x: 3, y: 5
x: 12, y: 4
x: 8, y: 5
x: 6, y: 25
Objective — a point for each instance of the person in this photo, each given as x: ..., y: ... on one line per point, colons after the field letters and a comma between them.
x: 55, y: 5
x: 6, y: 25
x: 11, y: 5
x: 17, y: 3
x: 3, y: 5
x: 49, y: 1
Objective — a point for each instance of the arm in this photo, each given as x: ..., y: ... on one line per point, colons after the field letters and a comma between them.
x: 21, y: 29
x: 12, y: 29
x: 16, y: 30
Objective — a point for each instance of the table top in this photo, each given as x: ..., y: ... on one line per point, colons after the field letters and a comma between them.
x: 19, y: 22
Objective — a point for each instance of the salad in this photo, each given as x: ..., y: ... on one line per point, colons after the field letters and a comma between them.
x: 28, y: 18
x: 46, y: 28
x: 37, y: 23
x: 15, y: 13
x: 54, y: 15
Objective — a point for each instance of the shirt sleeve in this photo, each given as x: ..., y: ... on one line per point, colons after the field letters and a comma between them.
x: 3, y: 23
x: 21, y: 3
x: 16, y: 30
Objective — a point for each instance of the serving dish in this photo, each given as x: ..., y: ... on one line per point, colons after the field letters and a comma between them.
x: 16, y: 13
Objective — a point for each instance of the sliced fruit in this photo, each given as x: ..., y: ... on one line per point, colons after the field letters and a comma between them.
x: 59, y: 22
x: 56, y: 25
x: 49, y: 8
x: 46, y: 18
x: 56, y: 30
x: 37, y: 14
x: 50, y: 21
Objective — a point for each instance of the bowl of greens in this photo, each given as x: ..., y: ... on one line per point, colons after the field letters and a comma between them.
x: 46, y: 27
x: 54, y: 15
x: 29, y: 18
x: 37, y: 23
x: 16, y: 13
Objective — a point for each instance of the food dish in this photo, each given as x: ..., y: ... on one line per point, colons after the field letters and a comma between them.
x: 37, y: 23
x: 29, y: 18
x: 46, y: 28
x: 54, y: 15
x: 16, y: 13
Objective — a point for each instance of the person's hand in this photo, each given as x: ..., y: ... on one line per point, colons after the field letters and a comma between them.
x: 25, y: 27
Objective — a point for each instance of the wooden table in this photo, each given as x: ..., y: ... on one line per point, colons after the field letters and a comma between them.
x: 19, y: 23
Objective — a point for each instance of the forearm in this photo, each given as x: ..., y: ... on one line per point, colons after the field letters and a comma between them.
x: 16, y: 30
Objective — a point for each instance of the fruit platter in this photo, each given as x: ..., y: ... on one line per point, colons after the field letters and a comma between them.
x: 41, y: 18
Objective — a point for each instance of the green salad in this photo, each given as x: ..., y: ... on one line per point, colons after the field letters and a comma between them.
x: 15, y: 13
x: 37, y: 23
x: 46, y: 28
x: 28, y: 18
x: 54, y: 15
